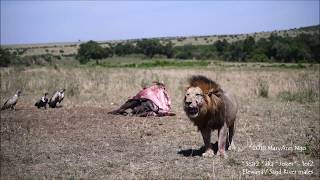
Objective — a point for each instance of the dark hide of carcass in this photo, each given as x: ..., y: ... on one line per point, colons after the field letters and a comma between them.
x: 150, y: 101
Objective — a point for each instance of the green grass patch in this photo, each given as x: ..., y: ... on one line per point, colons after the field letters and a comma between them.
x: 156, y: 63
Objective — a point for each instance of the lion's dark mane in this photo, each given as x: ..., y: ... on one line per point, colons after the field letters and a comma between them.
x: 204, y: 84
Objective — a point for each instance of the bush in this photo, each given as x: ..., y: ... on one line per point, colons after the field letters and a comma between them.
x: 58, y: 57
x: 91, y: 50
x: 5, y: 57
x: 168, y: 50
x: 259, y: 58
x: 83, y: 60
x: 149, y: 47
x: 184, y: 52
x: 123, y: 49
x: 263, y: 88
x: 184, y: 55
x: 21, y: 51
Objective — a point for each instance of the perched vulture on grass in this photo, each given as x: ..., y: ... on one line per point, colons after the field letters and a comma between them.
x: 43, y: 101
x: 56, y: 98
x: 11, y: 102
x: 150, y: 101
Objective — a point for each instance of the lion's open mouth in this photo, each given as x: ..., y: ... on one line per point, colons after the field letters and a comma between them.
x: 193, y: 111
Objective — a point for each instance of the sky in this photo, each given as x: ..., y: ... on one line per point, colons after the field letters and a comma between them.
x: 27, y: 22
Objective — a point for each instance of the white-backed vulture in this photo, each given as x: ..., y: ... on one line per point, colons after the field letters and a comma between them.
x: 11, y: 102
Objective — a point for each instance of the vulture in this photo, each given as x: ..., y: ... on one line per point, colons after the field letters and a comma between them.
x: 56, y: 98
x: 11, y: 102
x: 43, y: 101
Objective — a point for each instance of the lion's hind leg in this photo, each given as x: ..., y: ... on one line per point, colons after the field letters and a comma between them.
x: 223, y: 140
x: 230, y: 142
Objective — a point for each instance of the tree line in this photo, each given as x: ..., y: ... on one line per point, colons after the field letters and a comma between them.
x: 275, y: 48
x: 148, y: 47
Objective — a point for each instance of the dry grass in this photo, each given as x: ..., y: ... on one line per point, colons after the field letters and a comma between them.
x: 81, y: 140
x: 95, y: 86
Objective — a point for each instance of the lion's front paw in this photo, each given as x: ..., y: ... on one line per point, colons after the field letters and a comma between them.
x: 232, y: 147
x: 208, y: 154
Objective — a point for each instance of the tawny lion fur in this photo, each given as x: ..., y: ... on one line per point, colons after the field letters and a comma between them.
x: 211, y: 108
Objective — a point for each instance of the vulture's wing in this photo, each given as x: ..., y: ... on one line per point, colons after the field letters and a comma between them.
x: 5, y: 105
x: 11, y: 101
x: 54, y: 97
x: 61, y: 97
x: 37, y: 103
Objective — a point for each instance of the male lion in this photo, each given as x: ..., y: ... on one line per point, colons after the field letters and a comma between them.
x: 210, y: 108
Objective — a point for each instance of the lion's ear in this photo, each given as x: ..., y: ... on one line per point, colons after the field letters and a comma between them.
x: 210, y: 92
x: 216, y: 92
x: 219, y: 93
x: 186, y: 88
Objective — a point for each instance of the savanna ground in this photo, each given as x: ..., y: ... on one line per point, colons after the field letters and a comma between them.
x: 279, y: 107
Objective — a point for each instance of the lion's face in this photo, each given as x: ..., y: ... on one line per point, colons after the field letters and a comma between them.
x: 193, y: 101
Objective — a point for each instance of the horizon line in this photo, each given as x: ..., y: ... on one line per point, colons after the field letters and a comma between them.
x: 157, y: 37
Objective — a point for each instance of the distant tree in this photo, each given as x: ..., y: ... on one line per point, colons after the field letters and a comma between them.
x: 248, y: 44
x: 83, y: 60
x: 90, y: 50
x: 310, y: 46
x: 236, y: 53
x: 184, y: 55
x: 281, y: 50
x: 149, y: 47
x: 5, y: 57
x: 168, y: 50
x: 184, y: 52
x: 107, y: 52
x: 221, y: 46
x: 121, y: 49
x: 278, y: 48
x: 118, y: 49
x: 259, y: 58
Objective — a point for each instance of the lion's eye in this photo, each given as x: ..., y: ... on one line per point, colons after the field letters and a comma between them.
x: 187, y: 94
x: 198, y: 94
